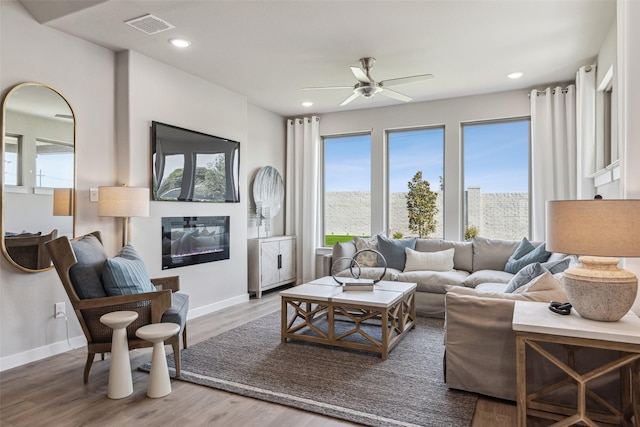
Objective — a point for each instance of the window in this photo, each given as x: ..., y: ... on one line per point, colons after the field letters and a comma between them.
x: 496, y: 179
x: 347, y: 187
x: 12, y: 158
x: 54, y: 164
x: 412, y: 151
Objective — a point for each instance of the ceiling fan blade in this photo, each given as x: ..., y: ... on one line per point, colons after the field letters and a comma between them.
x: 403, y: 80
x: 349, y: 99
x: 396, y: 95
x: 360, y: 74
x: 327, y: 87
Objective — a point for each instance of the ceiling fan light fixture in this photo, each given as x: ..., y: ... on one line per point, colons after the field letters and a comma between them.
x: 307, y: 103
x: 515, y: 75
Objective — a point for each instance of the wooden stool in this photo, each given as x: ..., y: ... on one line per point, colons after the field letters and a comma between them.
x: 120, y: 382
x: 159, y: 382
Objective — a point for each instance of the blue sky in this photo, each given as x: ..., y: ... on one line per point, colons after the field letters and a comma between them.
x: 496, y: 157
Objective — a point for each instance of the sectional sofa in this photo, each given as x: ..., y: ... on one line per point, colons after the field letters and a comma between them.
x: 481, y: 261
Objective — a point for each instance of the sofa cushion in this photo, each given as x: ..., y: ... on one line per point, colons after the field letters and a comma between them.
x: 430, y: 261
x: 342, y: 250
x: 492, y: 254
x: 86, y: 274
x: 543, y: 288
x: 525, y: 275
x: 491, y: 287
x: 367, y: 259
x: 538, y: 254
x: 370, y: 273
x: 393, y: 250
x: 125, y: 274
x: 437, y: 282
x: 487, y: 276
x: 462, y: 257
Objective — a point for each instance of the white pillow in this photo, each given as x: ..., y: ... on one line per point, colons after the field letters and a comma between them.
x: 429, y: 261
x: 367, y: 259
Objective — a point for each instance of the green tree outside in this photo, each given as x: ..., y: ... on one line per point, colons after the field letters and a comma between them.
x: 421, y: 206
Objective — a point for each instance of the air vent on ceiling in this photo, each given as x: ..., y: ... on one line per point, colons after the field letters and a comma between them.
x: 149, y: 24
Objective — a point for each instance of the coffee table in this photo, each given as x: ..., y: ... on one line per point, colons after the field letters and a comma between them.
x: 313, y: 311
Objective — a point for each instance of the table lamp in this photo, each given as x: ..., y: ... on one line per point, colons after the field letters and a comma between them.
x: 123, y: 202
x: 62, y: 201
x: 598, y: 230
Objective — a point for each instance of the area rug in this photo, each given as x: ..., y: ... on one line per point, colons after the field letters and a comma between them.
x: 407, y: 389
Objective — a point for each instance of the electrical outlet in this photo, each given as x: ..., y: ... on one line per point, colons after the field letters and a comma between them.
x: 59, y: 310
x: 93, y: 194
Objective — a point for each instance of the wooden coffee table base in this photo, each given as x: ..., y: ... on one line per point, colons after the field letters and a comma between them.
x: 314, y: 320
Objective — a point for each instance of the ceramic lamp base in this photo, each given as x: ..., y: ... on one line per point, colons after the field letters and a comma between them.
x: 599, y: 290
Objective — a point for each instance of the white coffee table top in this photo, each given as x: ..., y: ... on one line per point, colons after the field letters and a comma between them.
x: 536, y: 317
x: 384, y: 294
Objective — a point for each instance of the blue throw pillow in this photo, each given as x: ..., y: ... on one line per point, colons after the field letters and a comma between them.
x: 557, y: 266
x: 524, y: 248
x: 393, y: 250
x: 539, y: 254
x: 125, y: 274
x: 524, y: 276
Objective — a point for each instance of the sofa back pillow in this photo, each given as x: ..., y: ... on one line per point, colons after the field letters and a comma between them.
x: 368, y: 258
x: 393, y: 250
x: 463, y: 254
x: 492, y: 254
x: 429, y: 261
x: 525, y: 254
x: 342, y: 250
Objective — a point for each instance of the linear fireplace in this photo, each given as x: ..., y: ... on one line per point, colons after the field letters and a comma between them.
x: 194, y: 240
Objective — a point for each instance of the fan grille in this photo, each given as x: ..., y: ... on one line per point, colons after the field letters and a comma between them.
x: 149, y: 24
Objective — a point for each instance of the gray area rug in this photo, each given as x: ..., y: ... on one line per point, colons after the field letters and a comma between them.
x: 405, y: 390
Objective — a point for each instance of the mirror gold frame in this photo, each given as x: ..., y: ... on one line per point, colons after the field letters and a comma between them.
x: 35, y: 242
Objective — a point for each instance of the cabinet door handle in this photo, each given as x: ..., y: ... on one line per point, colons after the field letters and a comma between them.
x: 279, y: 261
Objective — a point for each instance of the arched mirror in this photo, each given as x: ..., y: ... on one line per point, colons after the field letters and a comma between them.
x: 38, y: 173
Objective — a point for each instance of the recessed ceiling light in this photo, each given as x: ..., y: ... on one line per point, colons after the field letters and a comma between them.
x: 307, y: 104
x: 180, y: 42
x: 515, y: 75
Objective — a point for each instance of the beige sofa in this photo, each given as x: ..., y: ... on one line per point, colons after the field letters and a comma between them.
x: 478, y: 261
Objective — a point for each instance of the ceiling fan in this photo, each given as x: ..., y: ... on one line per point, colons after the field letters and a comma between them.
x: 367, y: 87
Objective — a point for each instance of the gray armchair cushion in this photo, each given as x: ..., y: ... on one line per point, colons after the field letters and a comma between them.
x: 86, y: 274
x: 177, y: 313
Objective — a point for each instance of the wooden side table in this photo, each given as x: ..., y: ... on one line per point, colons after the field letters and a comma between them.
x: 120, y: 382
x: 156, y: 333
x: 534, y: 324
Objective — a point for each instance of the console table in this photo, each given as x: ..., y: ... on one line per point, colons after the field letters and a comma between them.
x: 534, y: 324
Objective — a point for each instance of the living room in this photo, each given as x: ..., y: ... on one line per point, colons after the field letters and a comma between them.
x: 115, y: 96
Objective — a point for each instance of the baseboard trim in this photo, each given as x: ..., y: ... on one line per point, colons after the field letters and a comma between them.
x: 19, y: 359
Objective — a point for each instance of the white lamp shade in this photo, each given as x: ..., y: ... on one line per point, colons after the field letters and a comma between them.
x: 63, y: 201
x: 609, y: 228
x: 123, y: 201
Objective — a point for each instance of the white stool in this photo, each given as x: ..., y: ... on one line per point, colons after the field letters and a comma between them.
x: 159, y: 382
x: 120, y: 383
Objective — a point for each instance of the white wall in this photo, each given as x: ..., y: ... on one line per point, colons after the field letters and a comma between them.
x: 451, y: 113
x: 147, y: 90
x: 84, y: 73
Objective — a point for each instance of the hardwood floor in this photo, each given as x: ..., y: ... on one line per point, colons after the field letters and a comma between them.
x: 50, y: 392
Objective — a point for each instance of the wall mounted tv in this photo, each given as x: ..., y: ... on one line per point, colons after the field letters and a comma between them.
x: 190, y: 166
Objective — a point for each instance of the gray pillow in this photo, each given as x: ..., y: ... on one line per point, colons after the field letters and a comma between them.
x: 491, y: 254
x: 539, y: 254
x: 393, y: 250
x: 525, y: 275
x: 557, y: 266
x: 125, y: 274
x: 86, y: 274
x: 523, y: 248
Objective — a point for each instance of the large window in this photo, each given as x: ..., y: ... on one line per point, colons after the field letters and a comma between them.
x: 496, y: 179
x: 54, y: 164
x: 410, y: 152
x: 347, y: 187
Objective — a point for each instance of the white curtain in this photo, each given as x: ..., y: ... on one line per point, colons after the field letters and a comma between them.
x: 303, y: 191
x: 586, y: 130
x: 553, y: 151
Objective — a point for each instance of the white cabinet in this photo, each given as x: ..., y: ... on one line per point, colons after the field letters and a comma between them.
x: 272, y: 262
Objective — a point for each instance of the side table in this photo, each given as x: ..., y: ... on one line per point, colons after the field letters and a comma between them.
x: 159, y: 382
x: 120, y: 382
x: 534, y: 324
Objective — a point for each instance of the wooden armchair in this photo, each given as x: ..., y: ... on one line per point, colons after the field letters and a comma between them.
x: 150, y: 306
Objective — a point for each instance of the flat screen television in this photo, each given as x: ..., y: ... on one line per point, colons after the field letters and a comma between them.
x: 190, y: 166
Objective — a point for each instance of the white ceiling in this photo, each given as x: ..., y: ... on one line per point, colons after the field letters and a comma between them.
x: 268, y: 50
